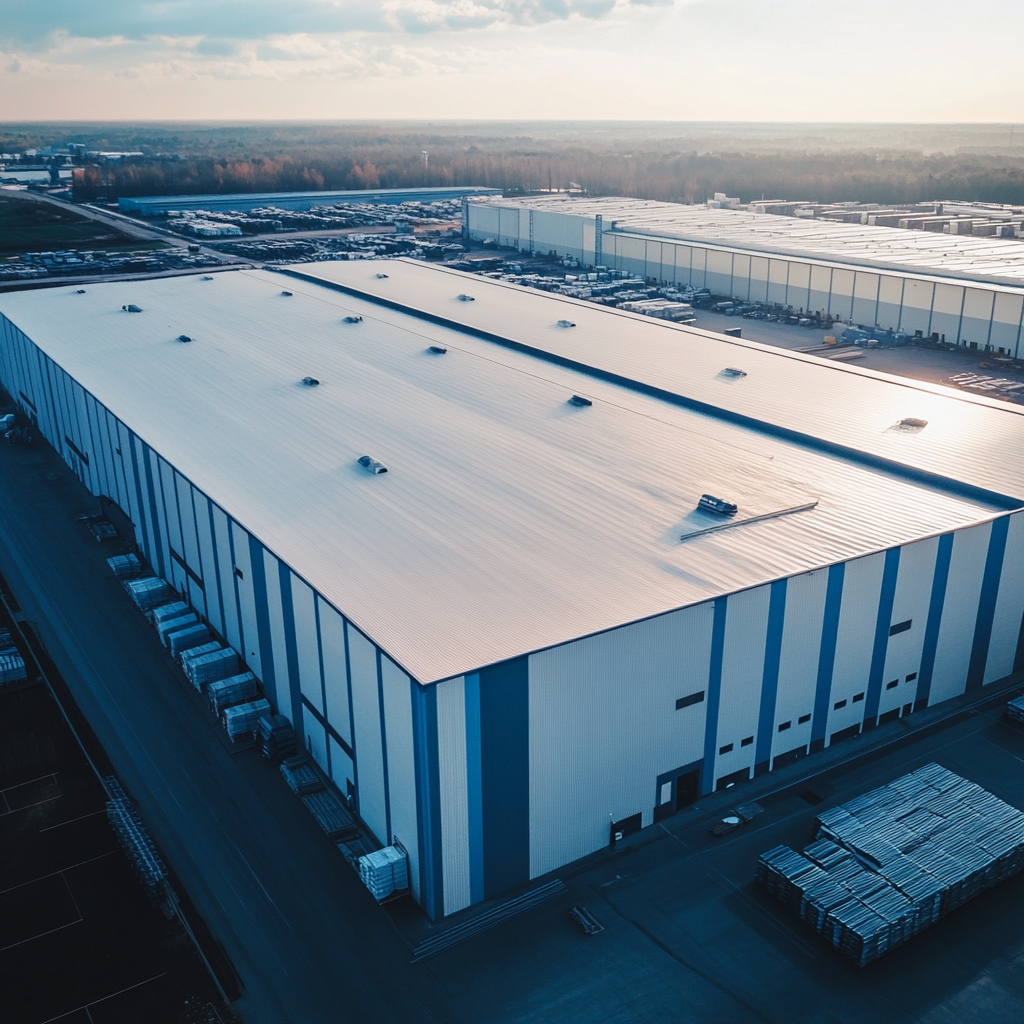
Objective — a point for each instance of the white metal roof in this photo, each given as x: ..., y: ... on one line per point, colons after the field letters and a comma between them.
x: 998, y: 260
x: 509, y: 519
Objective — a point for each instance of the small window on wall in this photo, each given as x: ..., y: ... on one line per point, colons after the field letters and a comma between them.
x: 804, y: 719
x: 746, y: 742
x: 857, y: 697
x: 911, y: 677
x: 784, y: 726
x: 238, y: 573
x: 725, y: 749
x: 689, y: 701
x: 892, y: 684
x: 839, y: 704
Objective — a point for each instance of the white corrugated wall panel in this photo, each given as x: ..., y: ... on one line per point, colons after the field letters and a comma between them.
x: 632, y: 255
x: 798, y: 659
x: 917, y: 306
x: 799, y: 286
x: 247, y: 600
x: 890, y: 299
x: 949, y: 299
x: 342, y: 771
x: 316, y: 741
x: 746, y: 627
x: 652, y: 259
x: 277, y: 636
x: 1006, y: 318
x: 483, y: 221
x: 368, y: 746
x: 604, y: 726
x: 698, y: 267
x: 210, y: 582
x: 858, y: 614
x: 865, y: 298
x: 719, y: 272
x: 451, y: 758
x: 911, y: 601
x: 332, y: 645
x: 959, y: 612
x: 1006, y: 622
x: 187, y: 508
x: 778, y: 277
x: 741, y: 276
x: 306, y: 646
x: 524, y: 228
x: 397, y: 690
x: 508, y: 226
x: 165, y: 485
x: 841, y: 302
x: 221, y: 530
x: 758, y: 279
x: 684, y: 260
x: 977, y: 316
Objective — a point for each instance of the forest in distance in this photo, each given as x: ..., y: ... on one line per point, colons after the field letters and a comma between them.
x: 671, y: 161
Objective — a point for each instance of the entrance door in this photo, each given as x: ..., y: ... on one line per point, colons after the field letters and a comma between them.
x: 687, y: 789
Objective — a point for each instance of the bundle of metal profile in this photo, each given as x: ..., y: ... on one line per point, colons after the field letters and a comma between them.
x: 275, y: 738
x: 233, y: 690
x: 385, y: 871
x: 188, y: 656
x: 242, y: 718
x: 300, y: 775
x: 892, y: 862
x: 188, y: 637
x: 212, y: 667
x: 148, y: 591
x: 331, y: 815
x: 12, y: 668
x: 125, y: 565
x: 150, y: 869
x: 164, y: 612
x: 165, y: 627
x: 1015, y: 709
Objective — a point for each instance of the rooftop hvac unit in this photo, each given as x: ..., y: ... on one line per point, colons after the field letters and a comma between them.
x: 310, y: 382
x: 912, y: 423
x: 286, y: 293
x: 381, y: 276
x: 184, y: 337
x: 732, y: 371
x: 580, y: 401
x: 565, y: 323
x: 79, y: 291
x: 710, y: 503
x: 438, y: 350
x: 466, y: 298
x: 352, y: 320
x: 132, y: 308
x: 372, y: 465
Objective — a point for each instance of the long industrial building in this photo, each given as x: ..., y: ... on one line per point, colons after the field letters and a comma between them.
x: 965, y: 290
x: 527, y: 634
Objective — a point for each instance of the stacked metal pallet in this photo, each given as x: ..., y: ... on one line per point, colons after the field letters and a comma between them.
x: 276, y: 738
x: 385, y: 872
x: 148, y: 591
x: 242, y: 718
x: 234, y: 690
x: 893, y: 861
x: 211, y: 667
x: 1015, y: 709
x: 150, y: 869
x: 125, y: 565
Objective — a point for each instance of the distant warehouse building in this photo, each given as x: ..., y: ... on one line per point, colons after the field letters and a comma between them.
x: 966, y: 290
x: 528, y: 633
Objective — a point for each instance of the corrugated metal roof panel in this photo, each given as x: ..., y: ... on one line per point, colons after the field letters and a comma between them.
x: 509, y: 519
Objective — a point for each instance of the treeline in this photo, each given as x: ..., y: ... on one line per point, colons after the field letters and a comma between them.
x: 676, y: 177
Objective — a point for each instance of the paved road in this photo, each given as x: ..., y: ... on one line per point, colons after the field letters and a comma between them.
x: 307, y: 940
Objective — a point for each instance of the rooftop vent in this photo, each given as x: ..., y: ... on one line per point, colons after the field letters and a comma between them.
x: 310, y: 382
x: 710, y: 503
x: 732, y: 371
x: 380, y: 277
x: 206, y: 277
x: 352, y: 320
x: 372, y: 464
x: 466, y: 298
x: 80, y: 291
x: 438, y: 350
x: 184, y: 337
x: 565, y: 323
x: 286, y: 293
x: 580, y: 400
x: 912, y: 423
x: 132, y: 308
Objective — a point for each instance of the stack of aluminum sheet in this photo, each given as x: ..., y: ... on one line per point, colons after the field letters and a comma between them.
x: 187, y: 638
x: 1015, y: 709
x: 212, y: 667
x: 125, y: 565
x: 331, y: 815
x: 893, y: 861
x: 187, y: 657
x: 168, y: 626
x: 148, y: 591
x: 164, y: 612
x: 385, y: 871
x: 242, y: 718
x: 276, y: 738
x: 301, y: 776
x: 12, y: 668
x: 233, y: 690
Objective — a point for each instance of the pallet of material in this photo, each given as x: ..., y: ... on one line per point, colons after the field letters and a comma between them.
x: 894, y: 861
x: 212, y: 667
x: 168, y: 611
x: 168, y: 626
x: 331, y: 815
x: 187, y: 657
x: 125, y: 565
x: 1015, y: 709
x: 12, y: 668
x: 148, y: 592
x: 233, y: 690
x: 184, y: 639
x: 300, y: 775
x: 241, y: 720
x: 385, y: 872
x: 276, y: 738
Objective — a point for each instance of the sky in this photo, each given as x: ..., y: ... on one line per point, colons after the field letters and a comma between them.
x: 768, y: 60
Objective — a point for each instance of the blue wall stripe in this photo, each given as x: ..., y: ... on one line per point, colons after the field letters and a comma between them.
x: 351, y: 713
x: 827, y: 653
x: 714, y: 695
x: 931, y: 630
x: 291, y: 647
x: 770, y: 677
x: 154, y: 515
x: 383, y: 743
x: 987, y: 602
x: 216, y: 570
x: 474, y: 788
x: 881, y: 645
x: 266, y: 645
x: 323, y: 679
x: 428, y: 798
x: 505, y: 774
x: 140, y: 514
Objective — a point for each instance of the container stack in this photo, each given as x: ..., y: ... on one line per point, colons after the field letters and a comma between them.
x: 233, y: 690
x: 890, y: 863
x: 125, y: 565
x: 212, y: 667
x: 385, y: 872
x: 1015, y: 709
x: 148, y: 591
x: 275, y: 738
x: 242, y: 718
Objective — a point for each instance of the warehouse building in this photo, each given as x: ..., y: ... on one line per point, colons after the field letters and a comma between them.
x: 527, y: 634
x: 963, y: 289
